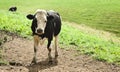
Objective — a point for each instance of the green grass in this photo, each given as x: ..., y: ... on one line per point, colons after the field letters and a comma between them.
x: 99, y: 14
x: 99, y: 48
x: 15, y: 22
x: 89, y: 44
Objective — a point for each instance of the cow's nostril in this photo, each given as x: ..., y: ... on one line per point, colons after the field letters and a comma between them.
x: 39, y: 30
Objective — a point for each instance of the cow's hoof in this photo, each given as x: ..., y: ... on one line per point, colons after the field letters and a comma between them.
x: 56, y: 56
x: 50, y: 62
x: 33, y: 61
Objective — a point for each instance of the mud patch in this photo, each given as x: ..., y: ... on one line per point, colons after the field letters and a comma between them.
x: 19, y: 53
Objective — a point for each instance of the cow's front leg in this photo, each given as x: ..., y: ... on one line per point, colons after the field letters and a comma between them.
x: 49, y: 49
x: 36, y: 43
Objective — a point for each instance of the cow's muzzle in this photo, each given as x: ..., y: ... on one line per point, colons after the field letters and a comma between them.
x: 40, y: 31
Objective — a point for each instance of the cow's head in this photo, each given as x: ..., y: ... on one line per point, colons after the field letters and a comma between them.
x: 40, y: 19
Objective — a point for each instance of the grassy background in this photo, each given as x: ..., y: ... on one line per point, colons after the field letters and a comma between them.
x: 100, y: 14
x: 89, y: 44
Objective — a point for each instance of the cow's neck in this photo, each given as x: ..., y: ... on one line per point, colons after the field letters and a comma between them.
x: 42, y: 36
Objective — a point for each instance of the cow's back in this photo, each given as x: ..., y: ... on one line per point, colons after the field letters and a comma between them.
x: 57, y: 22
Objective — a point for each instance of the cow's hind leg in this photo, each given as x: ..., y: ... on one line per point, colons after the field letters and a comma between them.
x: 49, y: 49
x: 36, y: 43
x: 56, y: 46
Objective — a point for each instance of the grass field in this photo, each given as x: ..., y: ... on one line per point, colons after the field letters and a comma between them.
x: 101, y: 14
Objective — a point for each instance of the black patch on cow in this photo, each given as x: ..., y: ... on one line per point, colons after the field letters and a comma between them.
x: 50, y: 17
x: 30, y: 16
x: 34, y: 26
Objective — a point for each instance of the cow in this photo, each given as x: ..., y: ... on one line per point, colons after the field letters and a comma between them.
x: 13, y: 9
x: 45, y: 24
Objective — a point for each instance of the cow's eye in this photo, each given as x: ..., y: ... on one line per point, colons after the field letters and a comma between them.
x: 45, y: 21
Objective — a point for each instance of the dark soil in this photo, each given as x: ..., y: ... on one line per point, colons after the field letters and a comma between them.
x: 19, y: 53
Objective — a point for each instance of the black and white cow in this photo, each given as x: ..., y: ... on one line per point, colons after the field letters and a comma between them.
x: 13, y: 9
x: 45, y: 24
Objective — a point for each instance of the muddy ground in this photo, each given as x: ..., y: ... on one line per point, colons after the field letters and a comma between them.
x: 18, y: 52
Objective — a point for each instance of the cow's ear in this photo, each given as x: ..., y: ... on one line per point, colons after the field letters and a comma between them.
x: 30, y: 16
x: 50, y: 17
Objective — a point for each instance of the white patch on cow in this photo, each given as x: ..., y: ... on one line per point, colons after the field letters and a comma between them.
x: 41, y: 16
x: 42, y: 41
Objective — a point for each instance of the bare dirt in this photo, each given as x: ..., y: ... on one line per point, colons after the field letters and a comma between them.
x: 19, y: 53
